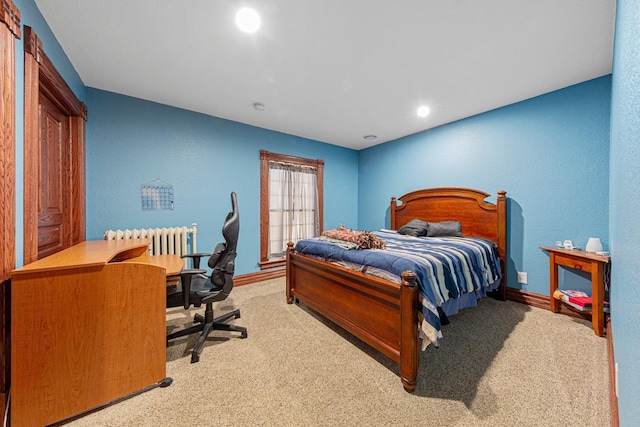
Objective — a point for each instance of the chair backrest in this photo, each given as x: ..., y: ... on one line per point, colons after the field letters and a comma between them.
x: 222, y: 260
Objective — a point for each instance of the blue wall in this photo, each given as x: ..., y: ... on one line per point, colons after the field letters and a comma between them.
x: 550, y: 153
x: 131, y: 142
x: 625, y: 206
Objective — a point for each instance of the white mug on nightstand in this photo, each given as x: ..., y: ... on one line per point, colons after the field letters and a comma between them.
x: 593, y: 245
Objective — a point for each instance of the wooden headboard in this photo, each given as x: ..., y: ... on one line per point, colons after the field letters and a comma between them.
x: 478, y: 217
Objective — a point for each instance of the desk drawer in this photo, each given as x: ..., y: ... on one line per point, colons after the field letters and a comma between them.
x: 572, y: 262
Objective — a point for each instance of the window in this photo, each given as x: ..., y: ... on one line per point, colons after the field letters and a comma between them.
x: 291, y: 201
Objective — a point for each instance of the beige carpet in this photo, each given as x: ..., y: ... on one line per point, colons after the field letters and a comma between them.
x: 500, y: 364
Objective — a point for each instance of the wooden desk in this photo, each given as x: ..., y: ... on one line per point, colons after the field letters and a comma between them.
x: 88, y: 326
x: 580, y: 260
x: 172, y: 265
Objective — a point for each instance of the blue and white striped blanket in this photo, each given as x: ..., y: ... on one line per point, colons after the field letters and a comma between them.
x: 452, y: 272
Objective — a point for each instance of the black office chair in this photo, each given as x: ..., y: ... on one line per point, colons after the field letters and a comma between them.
x: 196, y: 288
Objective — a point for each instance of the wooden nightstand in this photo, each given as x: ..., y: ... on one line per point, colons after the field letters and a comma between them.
x: 585, y: 261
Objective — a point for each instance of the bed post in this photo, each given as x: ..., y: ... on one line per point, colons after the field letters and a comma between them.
x: 289, y: 273
x: 502, y: 241
x: 409, y: 339
x: 392, y: 213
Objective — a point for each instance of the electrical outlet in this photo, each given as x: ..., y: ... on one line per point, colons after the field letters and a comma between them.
x: 522, y: 277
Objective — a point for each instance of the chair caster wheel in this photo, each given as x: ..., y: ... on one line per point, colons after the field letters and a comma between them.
x: 243, y: 335
x: 195, y: 358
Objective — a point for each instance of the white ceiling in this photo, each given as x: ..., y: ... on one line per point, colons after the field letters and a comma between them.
x: 336, y: 70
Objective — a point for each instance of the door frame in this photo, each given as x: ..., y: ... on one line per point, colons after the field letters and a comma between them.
x: 41, y: 76
x: 9, y: 32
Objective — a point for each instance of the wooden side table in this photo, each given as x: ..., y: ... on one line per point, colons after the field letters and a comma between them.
x: 585, y: 261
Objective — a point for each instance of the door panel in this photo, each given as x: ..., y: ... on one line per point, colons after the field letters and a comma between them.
x: 53, y: 204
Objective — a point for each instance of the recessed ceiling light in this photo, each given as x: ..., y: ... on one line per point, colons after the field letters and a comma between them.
x: 258, y: 106
x: 370, y: 137
x: 248, y: 20
x: 423, y: 111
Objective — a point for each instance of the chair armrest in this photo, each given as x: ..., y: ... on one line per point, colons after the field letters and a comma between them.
x: 195, y: 258
x: 185, y: 279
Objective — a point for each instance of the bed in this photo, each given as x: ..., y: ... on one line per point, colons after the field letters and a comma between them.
x: 382, y: 312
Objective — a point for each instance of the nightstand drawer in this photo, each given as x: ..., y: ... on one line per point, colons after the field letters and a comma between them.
x: 571, y: 262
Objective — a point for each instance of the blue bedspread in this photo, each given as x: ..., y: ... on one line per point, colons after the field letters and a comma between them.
x: 447, y: 268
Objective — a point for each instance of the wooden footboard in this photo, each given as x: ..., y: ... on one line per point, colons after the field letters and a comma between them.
x: 381, y: 313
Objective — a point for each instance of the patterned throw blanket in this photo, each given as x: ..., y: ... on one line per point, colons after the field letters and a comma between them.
x: 363, y: 239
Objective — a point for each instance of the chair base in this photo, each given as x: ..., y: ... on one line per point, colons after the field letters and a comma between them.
x: 205, y: 325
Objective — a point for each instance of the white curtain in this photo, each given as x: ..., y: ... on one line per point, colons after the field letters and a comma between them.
x: 293, y: 206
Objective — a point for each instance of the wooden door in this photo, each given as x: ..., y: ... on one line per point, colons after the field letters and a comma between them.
x: 54, y: 156
x: 54, y: 213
